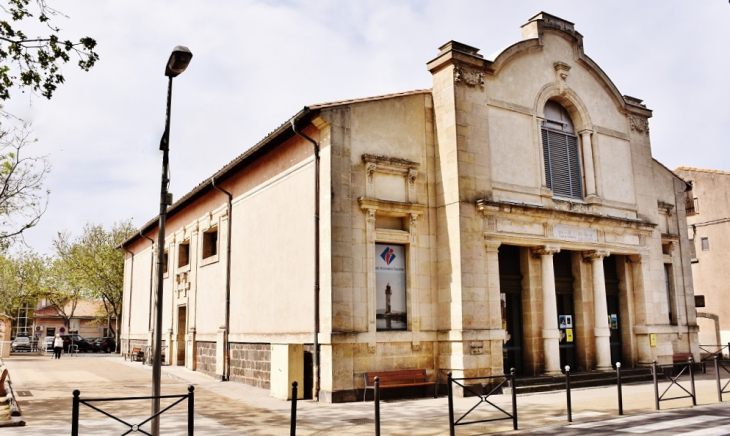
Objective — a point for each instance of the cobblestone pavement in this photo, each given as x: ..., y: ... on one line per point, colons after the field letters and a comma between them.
x: 44, y: 389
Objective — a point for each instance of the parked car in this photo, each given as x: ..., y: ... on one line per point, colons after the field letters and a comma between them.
x: 48, y: 343
x: 76, y: 340
x: 107, y: 344
x: 21, y: 343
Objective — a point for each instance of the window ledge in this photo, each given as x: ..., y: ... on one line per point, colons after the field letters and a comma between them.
x: 208, y: 260
x: 183, y: 269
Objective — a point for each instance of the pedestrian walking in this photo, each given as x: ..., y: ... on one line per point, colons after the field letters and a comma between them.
x: 57, y: 346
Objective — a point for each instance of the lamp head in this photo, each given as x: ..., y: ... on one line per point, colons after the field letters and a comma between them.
x: 178, y: 62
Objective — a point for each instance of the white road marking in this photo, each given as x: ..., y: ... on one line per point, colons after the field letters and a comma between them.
x: 714, y: 431
x: 618, y: 421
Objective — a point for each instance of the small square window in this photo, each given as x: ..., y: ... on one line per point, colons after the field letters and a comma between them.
x: 210, y: 243
x: 705, y: 244
x: 183, y: 254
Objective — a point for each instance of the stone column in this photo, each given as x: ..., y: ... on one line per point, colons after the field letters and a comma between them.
x: 550, y: 332
x: 590, y: 176
x: 600, y: 310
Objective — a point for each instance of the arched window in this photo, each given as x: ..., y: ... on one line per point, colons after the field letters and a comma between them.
x: 561, y: 152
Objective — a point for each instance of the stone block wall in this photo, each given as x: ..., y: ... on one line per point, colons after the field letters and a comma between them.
x: 251, y: 364
x: 205, y: 358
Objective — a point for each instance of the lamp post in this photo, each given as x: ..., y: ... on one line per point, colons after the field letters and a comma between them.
x: 178, y: 62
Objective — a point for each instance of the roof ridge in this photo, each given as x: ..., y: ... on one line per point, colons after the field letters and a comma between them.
x: 703, y: 170
x: 372, y: 98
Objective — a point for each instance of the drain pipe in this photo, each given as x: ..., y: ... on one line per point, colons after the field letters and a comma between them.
x: 129, y: 311
x: 226, y: 345
x: 152, y: 277
x: 315, y: 356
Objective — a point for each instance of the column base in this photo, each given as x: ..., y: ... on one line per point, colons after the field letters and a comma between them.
x: 604, y: 368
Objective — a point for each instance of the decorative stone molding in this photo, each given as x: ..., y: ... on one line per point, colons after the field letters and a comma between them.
x: 394, y: 166
x: 468, y: 76
x: 665, y: 208
x: 641, y: 125
x: 545, y: 250
x: 561, y: 74
x: 588, y: 256
x: 491, y: 244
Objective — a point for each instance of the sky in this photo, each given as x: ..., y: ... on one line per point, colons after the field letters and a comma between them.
x: 257, y: 63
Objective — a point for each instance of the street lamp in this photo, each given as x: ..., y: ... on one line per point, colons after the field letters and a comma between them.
x: 178, y: 62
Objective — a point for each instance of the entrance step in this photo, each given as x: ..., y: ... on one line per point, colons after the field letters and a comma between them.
x: 544, y: 383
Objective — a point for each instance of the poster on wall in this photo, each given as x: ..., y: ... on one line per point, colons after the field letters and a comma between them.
x: 565, y: 321
x: 390, y: 287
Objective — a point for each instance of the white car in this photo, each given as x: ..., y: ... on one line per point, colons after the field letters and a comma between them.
x: 48, y: 343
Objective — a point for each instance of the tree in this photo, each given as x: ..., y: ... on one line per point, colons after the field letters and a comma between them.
x: 97, y: 264
x: 35, y: 62
x: 20, y: 277
x: 23, y: 199
x: 61, y: 287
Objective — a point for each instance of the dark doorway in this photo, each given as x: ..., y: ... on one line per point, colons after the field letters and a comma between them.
x: 562, y: 267
x: 308, y: 373
x: 614, y: 309
x: 510, y: 285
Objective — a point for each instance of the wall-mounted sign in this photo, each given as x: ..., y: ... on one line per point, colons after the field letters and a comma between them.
x: 613, y: 321
x: 390, y: 287
x: 575, y: 234
x: 565, y: 321
x: 652, y: 339
x: 568, y: 335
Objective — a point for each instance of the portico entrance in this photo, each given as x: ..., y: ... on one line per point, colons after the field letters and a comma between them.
x: 566, y: 309
x: 510, y: 285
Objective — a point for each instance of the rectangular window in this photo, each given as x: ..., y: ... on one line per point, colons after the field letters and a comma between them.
x: 668, y: 283
x: 183, y: 254
x: 692, y: 250
x: 210, y: 243
x: 705, y: 244
x: 691, y: 205
x: 562, y: 164
x: 165, y: 262
x: 390, y: 287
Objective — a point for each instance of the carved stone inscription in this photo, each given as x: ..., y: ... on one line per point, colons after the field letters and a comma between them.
x: 575, y: 234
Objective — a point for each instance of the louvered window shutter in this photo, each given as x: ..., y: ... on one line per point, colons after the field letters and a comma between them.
x: 562, y: 164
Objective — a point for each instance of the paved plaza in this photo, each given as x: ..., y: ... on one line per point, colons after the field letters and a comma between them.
x: 44, y: 389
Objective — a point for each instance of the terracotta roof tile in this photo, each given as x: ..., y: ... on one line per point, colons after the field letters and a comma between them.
x: 84, y: 309
x: 702, y: 170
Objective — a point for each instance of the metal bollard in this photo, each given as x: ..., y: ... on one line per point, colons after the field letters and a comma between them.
x: 377, y: 406
x: 717, y: 377
x: 514, y: 398
x: 654, y: 370
x: 618, y: 384
x: 450, y: 393
x: 75, y: 414
x: 567, y: 393
x: 293, y: 424
x: 692, y: 380
x: 191, y: 410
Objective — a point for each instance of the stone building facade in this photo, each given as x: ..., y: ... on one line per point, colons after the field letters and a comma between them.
x: 708, y: 221
x: 511, y: 216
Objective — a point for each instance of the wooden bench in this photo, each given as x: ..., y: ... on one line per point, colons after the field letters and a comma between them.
x: 398, y: 379
x: 137, y: 354
x: 681, y: 359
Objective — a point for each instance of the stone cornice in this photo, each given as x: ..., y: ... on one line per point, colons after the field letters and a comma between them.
x: 489, y: 206
x: 391, y: 208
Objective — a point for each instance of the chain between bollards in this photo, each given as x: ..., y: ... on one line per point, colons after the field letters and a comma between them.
x: 294, y: 395
x: 618, y: 384
x: 377, y: 406
x: 567, y: 392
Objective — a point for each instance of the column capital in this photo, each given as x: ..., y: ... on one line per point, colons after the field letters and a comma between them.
x: 585, y: 132
x: 595, y: 255
x: 544, y: 250
x: 491, y: 244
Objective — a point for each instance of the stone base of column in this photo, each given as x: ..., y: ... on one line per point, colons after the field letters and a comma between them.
x: 551, y: 346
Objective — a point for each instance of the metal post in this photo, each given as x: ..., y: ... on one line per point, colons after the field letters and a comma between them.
x: 717, y: 378
x: 692, y: 380
x: 450, y: 393
x: 514, y: 398
x: 191, y: 410
x: 618, y: 384
x: 294, y: 395
x: 656, y: 384
x: 157, y: 338
x: 377, y: 406
x: 567, y: 393
x: 75, y: 414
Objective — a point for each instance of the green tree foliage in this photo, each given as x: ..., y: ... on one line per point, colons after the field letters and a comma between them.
x: 23, y: 198
x: 35, y: 61
x: 20, y: 277
x: 95, y: 263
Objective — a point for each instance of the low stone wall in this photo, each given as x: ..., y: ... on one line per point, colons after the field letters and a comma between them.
x: 205, y: 358
x: 251, y: 364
